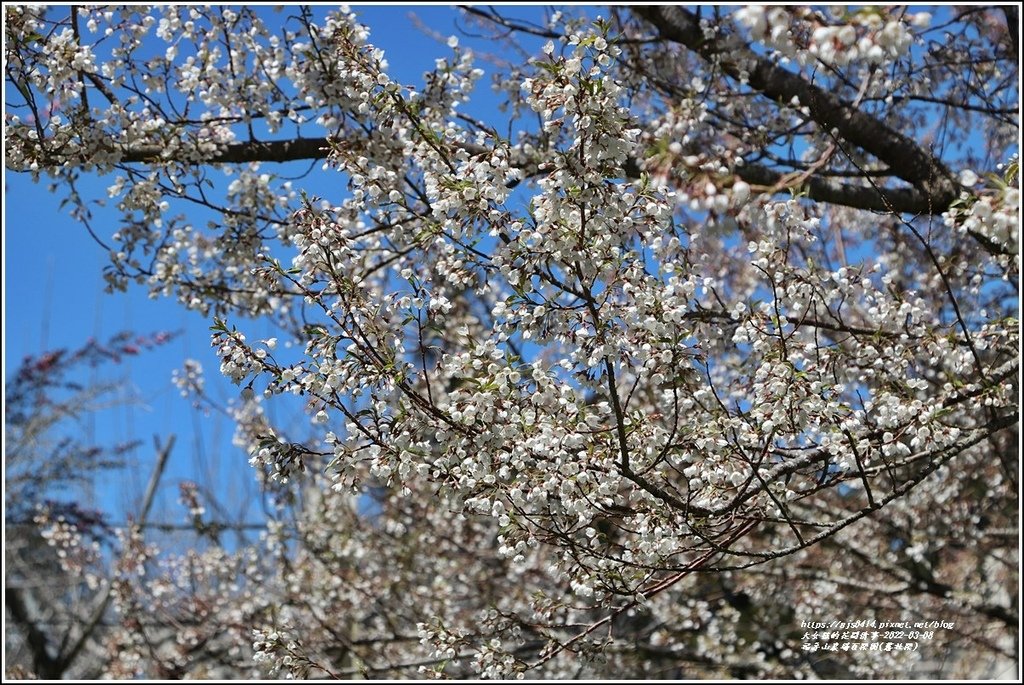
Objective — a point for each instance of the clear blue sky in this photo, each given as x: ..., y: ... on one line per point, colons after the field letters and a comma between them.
x: 53, y: 297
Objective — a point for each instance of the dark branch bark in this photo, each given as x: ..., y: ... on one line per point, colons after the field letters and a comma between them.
x: 1012, y: 14
x: 904, y: 157
x: 44, y: 665
x: 244, y: 152
x: 903, y: 200
x: 819, y: 188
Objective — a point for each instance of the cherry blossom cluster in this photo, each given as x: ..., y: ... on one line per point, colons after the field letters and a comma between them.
x: 801, y: 34
x: 993, y: 213
x: 189, y: 379
x: 75, y: 553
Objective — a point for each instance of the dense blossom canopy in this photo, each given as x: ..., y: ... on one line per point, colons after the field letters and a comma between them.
x: 709, y: 334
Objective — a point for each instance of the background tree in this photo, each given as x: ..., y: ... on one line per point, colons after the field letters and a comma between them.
x: 88, y: 592
x: 55, y: 601
x: 711, y: 336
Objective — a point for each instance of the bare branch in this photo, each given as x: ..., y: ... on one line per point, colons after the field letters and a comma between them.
x: 68, y: 657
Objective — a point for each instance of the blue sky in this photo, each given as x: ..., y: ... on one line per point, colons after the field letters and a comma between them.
x: 53, y: 298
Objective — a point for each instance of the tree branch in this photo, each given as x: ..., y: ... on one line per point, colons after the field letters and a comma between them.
x: 818, y: 188
x: 908, y: 200
x: 66, y: 659
x: 244, y: 152
x: 44, y: 665
x: 1012, y: 14
x: 904, y: 157
x: 822, y: 189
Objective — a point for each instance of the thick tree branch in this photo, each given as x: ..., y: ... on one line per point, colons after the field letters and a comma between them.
x: 904, y: 157
x: 1012, y: 14
x: 818, y: 188
x: 44, y: 665
x: 244, y: 152
x: 822, y: 189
